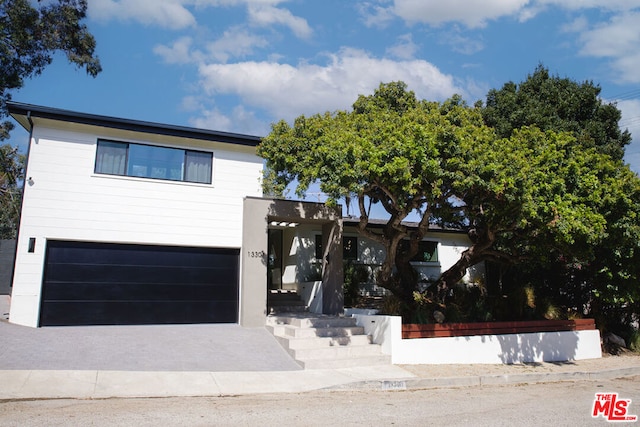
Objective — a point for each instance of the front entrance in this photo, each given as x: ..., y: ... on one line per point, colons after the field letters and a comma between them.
x: 269, y: 263
x: 274, y: 259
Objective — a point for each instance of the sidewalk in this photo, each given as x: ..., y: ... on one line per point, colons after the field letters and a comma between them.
x: 93, y: 384
x: 225, y: 360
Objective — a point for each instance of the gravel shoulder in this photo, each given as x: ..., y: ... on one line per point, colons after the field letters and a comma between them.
x: 607, y: 362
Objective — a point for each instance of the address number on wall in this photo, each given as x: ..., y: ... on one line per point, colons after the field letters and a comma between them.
x: 256, y: 254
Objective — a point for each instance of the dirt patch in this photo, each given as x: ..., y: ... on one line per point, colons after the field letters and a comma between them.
x: 607, y: 362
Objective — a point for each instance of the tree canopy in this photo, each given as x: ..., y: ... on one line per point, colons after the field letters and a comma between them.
x: 519, y: 195
x: 559, y: 104
x: 391, y: 149
x: 30, y: 34
x: 598, y: 275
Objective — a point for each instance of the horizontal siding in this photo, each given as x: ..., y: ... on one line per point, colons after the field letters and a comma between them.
x: 68, y: 200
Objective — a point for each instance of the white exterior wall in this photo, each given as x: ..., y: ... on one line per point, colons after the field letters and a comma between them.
x: 65, y: 200
x: 450, y: 247
x: 299, y: 255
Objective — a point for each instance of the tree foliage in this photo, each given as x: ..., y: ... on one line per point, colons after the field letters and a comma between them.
x: 559, y: 104
x: 11, y: 173
x: 528, y: 194
x: 391, y: 149
x: 596, y: 276
x: 522, y: 196
x: 31, y: 33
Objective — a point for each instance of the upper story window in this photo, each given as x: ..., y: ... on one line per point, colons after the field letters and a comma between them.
x: 149, y: 161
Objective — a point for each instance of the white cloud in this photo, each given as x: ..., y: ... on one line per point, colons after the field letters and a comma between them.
x: 405, y: 48
x: 165, y: 13
x: 235, y: 42
x: 266, y: 15
x: 286, y: 91
x: 473, y: 14
x: 578, y: 25
x: 460, y: 43
x: 178, y: 53
x: 476, y: 14
x: 240, y: 121
x: 591, y: 4
x: 631, y: 121
x: 617, y: 39
x: 174, y: 14
x: 374, y: 15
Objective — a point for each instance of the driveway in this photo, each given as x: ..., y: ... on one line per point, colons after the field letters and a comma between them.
x: 200, y: 347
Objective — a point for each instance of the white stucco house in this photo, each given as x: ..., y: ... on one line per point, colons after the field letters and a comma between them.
x: 130, y: 222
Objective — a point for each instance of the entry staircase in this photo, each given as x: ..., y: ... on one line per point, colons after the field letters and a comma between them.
x: 317, y: 341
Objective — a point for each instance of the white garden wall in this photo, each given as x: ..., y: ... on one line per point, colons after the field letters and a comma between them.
x: 482, y: 349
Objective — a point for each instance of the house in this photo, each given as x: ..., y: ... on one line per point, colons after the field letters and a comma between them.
x: 131, y: 222
x: 295, y: 257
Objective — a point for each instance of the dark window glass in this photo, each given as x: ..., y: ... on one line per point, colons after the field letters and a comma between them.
x: 350, y: 247
x: 427, y: 252
x: 318, y: 246
x: 148, y: 161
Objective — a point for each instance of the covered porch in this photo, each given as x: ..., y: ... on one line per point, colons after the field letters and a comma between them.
x: 275, y: 238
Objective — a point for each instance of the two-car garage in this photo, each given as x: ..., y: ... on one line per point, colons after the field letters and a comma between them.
x: 88, y: 283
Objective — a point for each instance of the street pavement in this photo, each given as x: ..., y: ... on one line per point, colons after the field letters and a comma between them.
x: 225, y: 359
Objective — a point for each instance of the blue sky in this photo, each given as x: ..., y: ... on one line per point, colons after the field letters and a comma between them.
x: 239, y: 65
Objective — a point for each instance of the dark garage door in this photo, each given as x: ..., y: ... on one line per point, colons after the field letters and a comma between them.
x: 117, y: 284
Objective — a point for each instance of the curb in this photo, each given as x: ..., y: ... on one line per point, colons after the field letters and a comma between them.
x: 488, y: 380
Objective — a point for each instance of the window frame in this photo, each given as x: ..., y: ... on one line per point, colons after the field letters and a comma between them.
x: 354, y: 240
x: 436, y: 251
x: 127, y: 159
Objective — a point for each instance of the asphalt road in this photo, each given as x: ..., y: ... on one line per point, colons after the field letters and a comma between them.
x: 557, y: 404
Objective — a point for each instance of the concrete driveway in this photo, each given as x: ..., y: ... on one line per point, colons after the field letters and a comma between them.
x: 203, y: 347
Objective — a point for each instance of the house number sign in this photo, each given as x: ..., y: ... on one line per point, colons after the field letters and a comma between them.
x: 256, y: 254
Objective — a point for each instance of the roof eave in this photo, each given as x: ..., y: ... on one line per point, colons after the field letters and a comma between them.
x: 20, y: 112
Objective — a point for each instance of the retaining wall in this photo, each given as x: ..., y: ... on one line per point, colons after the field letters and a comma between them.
x: 529, y: 347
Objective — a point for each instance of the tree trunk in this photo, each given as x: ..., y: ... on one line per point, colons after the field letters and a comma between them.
x: 483, y: 241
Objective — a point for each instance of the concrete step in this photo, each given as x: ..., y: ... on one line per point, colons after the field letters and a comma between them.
x: 339, y: 352
x: 313, y: 321
x: 322, y: 342
x: 325, y: 342
x: 344, y: 331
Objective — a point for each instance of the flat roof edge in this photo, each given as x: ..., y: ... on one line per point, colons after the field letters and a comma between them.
x: 22, y: 109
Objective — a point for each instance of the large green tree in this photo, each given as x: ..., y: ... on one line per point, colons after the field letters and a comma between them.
x: 31, y: 33
x: 532, y: 194
x: 599, y: 277
x: 392, y: 149
x: 513, y: 194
